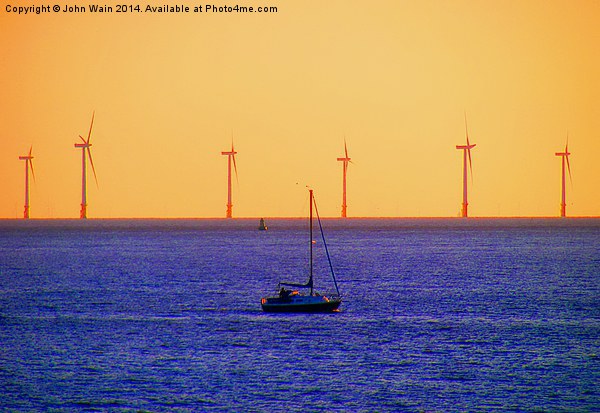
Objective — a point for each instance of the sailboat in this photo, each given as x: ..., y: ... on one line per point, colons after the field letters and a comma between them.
x: 262, y: 226
x: 307, y: 301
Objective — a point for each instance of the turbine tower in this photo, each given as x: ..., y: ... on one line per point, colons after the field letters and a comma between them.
x: 85, y: 146
x: 565, y: 156
x: 345, y: 161
x: 466, y: 152
x: 28, y: 163
x: 230, y: 156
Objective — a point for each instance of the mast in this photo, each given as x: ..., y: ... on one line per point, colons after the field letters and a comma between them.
x: 344, y: 207
x: 563, y: 204
x: 229, y: 205
x: 83, y: 212
x: 465, y: 204
x: 26, y: 212
x: 310, y: 281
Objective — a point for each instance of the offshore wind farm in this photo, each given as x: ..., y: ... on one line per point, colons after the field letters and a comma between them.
x: 231, y: 161
x: 85, y: 147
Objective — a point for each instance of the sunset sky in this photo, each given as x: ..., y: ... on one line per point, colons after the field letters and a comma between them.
x: 394, y: 78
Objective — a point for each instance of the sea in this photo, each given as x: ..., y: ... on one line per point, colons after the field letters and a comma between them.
x: 438, y: 315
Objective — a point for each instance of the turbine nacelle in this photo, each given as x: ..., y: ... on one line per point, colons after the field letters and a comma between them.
x: 467, y: 147
x: 85, y: 144
x: 28, y: 156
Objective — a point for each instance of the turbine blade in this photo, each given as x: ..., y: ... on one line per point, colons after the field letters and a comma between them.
x: 31, y: 165
x: 91, y: 124
x: 92, y: 163
x: 233, y: 156
x: 466, y: 129
x: 81, y: 137
x: 30, y: 148
x: 470, y: 166
x: 345, y: 148
x: 235, y: 168
x: 468, y: 150
x: 567, y: 156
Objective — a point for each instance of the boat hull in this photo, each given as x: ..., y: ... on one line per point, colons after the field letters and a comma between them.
x: 276, y: 305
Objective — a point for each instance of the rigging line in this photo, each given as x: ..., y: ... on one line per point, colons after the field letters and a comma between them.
x: 326, y: 249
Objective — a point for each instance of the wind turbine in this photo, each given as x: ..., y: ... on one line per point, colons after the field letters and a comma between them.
x: 230, y: 156
x: 345, y: 161
x: 564, y: 155
x: 28, y: 163
x: 466, y: 152
x: 85, y: 146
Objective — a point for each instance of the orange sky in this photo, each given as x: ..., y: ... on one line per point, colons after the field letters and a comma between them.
x: 393, y: 77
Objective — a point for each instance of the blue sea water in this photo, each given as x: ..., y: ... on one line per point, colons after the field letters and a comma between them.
x: 439, y: 315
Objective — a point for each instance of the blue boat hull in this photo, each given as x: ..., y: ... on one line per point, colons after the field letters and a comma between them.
x: 277, y: 305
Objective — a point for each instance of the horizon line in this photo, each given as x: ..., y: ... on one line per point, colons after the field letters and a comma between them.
x: 303, y: 217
